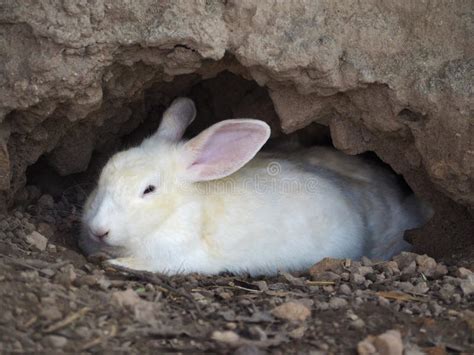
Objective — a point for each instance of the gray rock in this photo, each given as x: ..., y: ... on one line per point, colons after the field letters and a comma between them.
x: 429, y: 267
x: 345, y: 289
x: 447, y: 292
x: 37, y: 240
x: 467, y: 285
x: 337, y: 302
x: 358, y: 279
x: 56, y: 341
x: 463, y: 273
x: 404, y: 259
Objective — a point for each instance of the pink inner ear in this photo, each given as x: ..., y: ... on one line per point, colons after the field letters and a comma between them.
x: 226, y: 143
x: 225, y: 148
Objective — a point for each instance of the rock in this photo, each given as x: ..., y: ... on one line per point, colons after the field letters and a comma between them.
x: 297, y: 333
x: 86, y: 280
x: 337, y: 302
x: 357, y: 324
x: 56, y: 341
x: 295, y: 281
x: 45, y: 229
x: 292, y: 311
x: 326, y: 276
x: 357, y: 279
x: 37, y: 240
x: 447, y: 292
x: 404, y: 286
x: 404, y: 259
x: 261, y: 284
x: 421, y: 287
x: 435, y: 308
x: 127, y: 298
x: 227, y: 336
x: 345, y: 289
x: 388, y: 343
x: 51, y: 313
x: 66, y: 276
x: 143, y: 311
x: 467, y: 285
x: 362, y: 270
x: 409, y: 270
x: 327, y: 264
x: 463, y: 273
x: 321, y: 306
x: 366, y: 261
x: 429, y: 267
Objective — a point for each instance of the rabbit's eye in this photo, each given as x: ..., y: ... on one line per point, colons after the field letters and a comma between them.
x: 149, y: 189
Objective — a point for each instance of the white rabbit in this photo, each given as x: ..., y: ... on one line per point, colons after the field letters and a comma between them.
x: 207, y: 205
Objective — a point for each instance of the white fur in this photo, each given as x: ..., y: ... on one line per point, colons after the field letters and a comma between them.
x: 320, y: 203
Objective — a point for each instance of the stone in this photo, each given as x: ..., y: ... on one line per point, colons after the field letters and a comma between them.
x: 447, y: 291
x: 56, y: 341
x: 357, y: 279
x: 326, y: 276
x: 337, y: 302
x: 388, y: 343
x: 326, y: 264
x: 409, y: 270
x: 366, y: 261
x: 429, y: 267
x: 51, y: 313
x: 227, y: 336
x: 261, y: 284
x: 421, y: 287
x: 357, y: 324
x: 463, y: 273
x: 345, y: 289
x: 37, y: 240
x: 467, y: 285
x: 66, y: 276
x: 362, y: 270
x: 404, y: 259
x: 45, y: 229
x: 297, y: 333
x: 143, y: 311
x: 292, y: 311
x: 127, y: 298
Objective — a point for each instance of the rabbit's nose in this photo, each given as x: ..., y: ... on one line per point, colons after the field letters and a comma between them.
x: 100, y: 234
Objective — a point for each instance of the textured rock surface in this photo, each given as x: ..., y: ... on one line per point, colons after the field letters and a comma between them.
x: 391, y: 77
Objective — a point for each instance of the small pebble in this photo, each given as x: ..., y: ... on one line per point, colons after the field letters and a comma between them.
x: 358, y: 279
x: 337, y: 302
x: 56, y: 341
x: 292, y: 311
x: 345, y: 289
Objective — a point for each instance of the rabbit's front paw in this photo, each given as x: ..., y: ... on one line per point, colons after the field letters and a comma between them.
x: 127, y: 263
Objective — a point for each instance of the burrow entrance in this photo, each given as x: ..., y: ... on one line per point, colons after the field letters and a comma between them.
x: 57, y: 188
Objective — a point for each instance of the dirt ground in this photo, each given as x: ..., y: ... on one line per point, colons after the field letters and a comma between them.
x: 54, y: 300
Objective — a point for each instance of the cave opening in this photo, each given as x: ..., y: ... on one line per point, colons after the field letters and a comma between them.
x: 55, y: 192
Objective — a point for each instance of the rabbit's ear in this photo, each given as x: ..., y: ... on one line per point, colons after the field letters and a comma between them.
x: 224, y: 148
x: 176, y: 119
